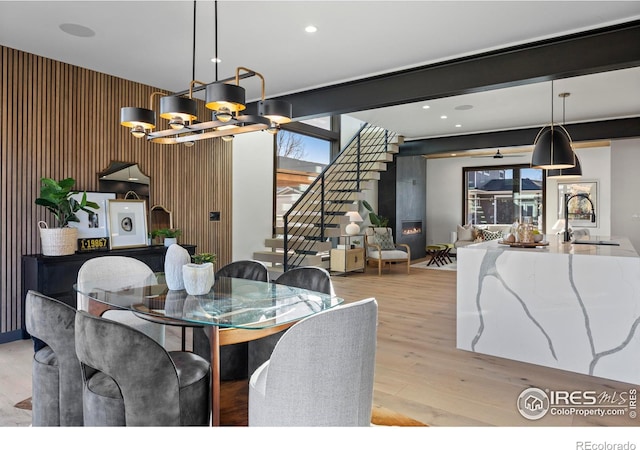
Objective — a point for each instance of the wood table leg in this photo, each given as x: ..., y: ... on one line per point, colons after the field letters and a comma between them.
x: 214, y: 344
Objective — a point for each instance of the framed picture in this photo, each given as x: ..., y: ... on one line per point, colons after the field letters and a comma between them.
x: 128, y: 223
x: 94, y: 224
x: 582, y: 203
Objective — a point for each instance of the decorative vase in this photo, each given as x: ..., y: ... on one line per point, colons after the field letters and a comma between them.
x: 198, y: 278
x: 168, y: 242
x: 175, y: 258
x: 58, y: 241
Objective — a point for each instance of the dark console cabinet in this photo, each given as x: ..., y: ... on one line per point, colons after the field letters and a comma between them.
x: 55, y: 275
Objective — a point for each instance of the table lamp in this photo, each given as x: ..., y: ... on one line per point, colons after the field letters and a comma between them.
x: 353, y: 228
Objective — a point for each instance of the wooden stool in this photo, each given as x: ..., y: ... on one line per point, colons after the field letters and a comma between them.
x: 445, y: 256
x: 435, y: 251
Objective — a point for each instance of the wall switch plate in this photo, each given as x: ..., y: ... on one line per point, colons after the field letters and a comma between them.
x: 214, y: 216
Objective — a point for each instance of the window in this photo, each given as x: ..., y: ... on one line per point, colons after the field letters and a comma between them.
x: 503, y: 195
x: 300, y: 159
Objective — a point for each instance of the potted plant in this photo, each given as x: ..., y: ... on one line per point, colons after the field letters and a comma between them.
x: 170, y: 235
x: 57, y: 198
x: 376, y: 220
x: 199, y: 276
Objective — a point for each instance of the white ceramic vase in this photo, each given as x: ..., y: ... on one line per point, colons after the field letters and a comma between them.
x: 168, y: 242
x: 198, y: 278
x: 175, y: 258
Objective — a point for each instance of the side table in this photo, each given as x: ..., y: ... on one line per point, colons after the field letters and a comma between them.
x: 348, y: 259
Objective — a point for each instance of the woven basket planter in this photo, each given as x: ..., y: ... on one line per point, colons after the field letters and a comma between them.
x: 58, y: 241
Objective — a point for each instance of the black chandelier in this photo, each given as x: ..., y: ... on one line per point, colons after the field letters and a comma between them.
x: 224, y: 98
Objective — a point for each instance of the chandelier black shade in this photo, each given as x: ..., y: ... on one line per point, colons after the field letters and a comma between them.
x: 172, y: 107
x: 275, y: 110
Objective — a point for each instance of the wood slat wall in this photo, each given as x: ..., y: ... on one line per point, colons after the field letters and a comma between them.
x: 60, y: 121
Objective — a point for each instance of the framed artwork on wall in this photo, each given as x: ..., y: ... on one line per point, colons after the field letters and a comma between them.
x: 127, y: 223
x: 94, y: 224
x: 582, y: 203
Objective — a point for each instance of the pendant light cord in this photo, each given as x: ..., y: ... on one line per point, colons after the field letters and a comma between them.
x: 193, y: 56
x: 215, y: 29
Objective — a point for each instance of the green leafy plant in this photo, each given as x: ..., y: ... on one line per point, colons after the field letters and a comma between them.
x: 57, y: 198
x: 376, y: 220
x: 201, y: 258
x: 167, y: 233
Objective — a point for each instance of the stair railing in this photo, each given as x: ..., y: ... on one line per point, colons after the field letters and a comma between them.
x: 362, y: 150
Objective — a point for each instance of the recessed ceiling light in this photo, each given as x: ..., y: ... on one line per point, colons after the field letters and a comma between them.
x: 310, y: 29
x: 454, y: 154
x: 443, y: 117
x: 463, y: 107
x: 77, y: 30
x: 426, y: 107
x: 458, y: 125
x: 216, y: 60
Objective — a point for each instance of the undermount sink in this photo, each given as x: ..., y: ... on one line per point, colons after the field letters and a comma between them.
x: 596, y: 242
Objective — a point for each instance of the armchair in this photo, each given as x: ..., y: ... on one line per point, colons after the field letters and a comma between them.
x: 380, y: 247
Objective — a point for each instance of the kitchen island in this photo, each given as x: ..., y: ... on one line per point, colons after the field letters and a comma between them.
x: 569, y: 306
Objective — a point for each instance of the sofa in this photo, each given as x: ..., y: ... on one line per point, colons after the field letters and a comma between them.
x: 471, y: 234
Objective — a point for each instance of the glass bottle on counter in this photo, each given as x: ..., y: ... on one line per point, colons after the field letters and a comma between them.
x: 525, y: 231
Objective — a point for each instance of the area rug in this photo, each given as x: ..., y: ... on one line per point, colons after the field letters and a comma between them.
x: 380, y: 416
x: 24, y: 404
x: 423, y: 265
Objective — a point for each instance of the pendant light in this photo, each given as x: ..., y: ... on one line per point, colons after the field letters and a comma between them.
x: 571, y: 172
x: 552, y: 146
x: 225, y: 98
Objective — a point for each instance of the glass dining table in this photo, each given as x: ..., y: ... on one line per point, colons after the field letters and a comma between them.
x: 236, y: 310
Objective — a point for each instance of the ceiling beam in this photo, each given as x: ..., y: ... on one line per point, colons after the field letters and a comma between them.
x: 588, y: 131
x: 601, y: 50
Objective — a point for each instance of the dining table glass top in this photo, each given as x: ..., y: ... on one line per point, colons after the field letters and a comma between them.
x: 231, y: 302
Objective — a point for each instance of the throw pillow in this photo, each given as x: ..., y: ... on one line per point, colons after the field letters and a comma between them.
x: 384, y: 240
x: 465, y: 233
x: 491, y: 235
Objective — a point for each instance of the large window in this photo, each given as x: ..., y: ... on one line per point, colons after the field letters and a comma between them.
x: 300, y: 159
x: 503, y: 195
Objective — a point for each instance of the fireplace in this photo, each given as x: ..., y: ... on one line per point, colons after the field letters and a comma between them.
x: 412, y: 233
x: 412, y: 227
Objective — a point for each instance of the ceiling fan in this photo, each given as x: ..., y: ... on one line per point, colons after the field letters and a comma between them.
x: 498, y: 155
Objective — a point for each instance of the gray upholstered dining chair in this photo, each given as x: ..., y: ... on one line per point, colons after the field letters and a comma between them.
x: 119, y: 272
x: 309, y: 277
x: 233, y: 358
x: 131, y: 380
x: 56, y: 376
x: 321, y: 371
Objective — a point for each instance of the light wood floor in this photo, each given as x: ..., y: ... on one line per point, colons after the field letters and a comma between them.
x: 419, y: 371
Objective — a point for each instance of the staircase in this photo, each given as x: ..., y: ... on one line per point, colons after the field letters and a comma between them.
x: 318, y: 215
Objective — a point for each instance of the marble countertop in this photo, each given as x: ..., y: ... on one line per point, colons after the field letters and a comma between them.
x: 624, y: 249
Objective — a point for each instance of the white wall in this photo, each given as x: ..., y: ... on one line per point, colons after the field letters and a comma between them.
x: 252, y: 193
x: 444, y: 190
x: 625, y: 190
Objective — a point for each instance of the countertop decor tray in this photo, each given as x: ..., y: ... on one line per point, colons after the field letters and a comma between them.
x: 524, y: 244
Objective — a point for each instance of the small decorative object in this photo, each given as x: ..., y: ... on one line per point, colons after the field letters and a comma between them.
x: 198, y: 278
x: 525, y: 231
x: 170, y: 235
x: 58, y: 198
x: 510, y: 238
x: 175, y: 258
